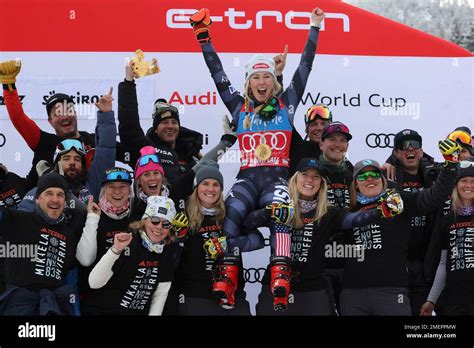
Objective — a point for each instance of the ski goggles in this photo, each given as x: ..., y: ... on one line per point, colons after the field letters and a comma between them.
x: 407, y: 143
x: 68, y: 145
x: 117, y: 174
x: 466, y: 164
x: 144, y: 160
x: 270, y: 109
x: 369, y: 174
x: 315, y: 111
x: 460, y: 137
x: 155, y: 220
x: 161, y: 107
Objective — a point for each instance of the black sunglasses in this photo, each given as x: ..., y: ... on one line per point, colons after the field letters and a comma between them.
x: 155, y: 220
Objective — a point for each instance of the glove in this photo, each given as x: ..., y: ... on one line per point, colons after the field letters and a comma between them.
x: 229, y: 127
x: 215, y: 246
x: 201, y: 22
x: 9, y: 70
x: 180, y: 223
x: 230, y: 131
x: 281, y: 212
x: 43, y: 167
x: 391, y: 204
x: 450, y: 151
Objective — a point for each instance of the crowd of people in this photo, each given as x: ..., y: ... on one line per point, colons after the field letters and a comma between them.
x: 345, y: 239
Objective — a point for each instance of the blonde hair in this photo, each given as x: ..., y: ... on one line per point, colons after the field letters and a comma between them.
x: 136, y: 226
x: 195, y: 215
x: 249, y: 96
x: 456, y: 200
x: 354, y: 190
x: 321, y: 198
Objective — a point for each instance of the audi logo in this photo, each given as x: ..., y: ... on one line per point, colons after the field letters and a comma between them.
x: 380, y: 140
x: 276, y: 140
x: 3, y: 140
x: 254, y: 275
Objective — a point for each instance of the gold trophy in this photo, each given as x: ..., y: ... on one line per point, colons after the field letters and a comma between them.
x: 142, y: 68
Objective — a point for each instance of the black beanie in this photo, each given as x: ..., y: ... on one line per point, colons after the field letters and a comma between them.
x: 52, y: 179
x: 57, y: 98
x: 161, y: 106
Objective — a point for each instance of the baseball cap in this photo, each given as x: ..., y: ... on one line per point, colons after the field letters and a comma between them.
x: 336, y: 127
x: 406, y: 134
x: 359, y: 166
x: 309, y: 163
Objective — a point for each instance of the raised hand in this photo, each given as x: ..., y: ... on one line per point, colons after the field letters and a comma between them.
x: 9, y: 70
x: 180, y: 223
x: 391, y: 204
x: 317, y: 16
x: 450, y: 150
x: 121, y: 241
x: 92, y: 207
x: 229, y: 127
x: 280, y: 61
x: 201, y: 22
x: 129, y: 74
x: 105, y: 102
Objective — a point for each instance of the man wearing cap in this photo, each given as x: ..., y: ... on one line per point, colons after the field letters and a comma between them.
x: 316, y: 118
x: 414, y: 172
x: 334, y: 144
x: 61, y: 116
x: 51, y: 238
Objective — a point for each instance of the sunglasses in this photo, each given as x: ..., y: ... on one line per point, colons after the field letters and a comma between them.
x: 460, y: 136
x: 369, y: 174
x: 155, y: 220
x: 116, y: 174
x: 320, y: 111
x: 161, y: 108
x: 407, y: 143
x: 69, y: 144
x: 144, y: 160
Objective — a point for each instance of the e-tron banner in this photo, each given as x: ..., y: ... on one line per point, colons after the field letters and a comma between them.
x: 376, y: 75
